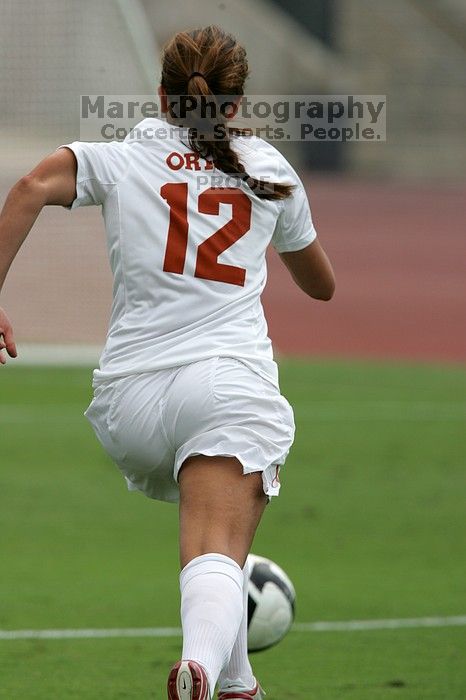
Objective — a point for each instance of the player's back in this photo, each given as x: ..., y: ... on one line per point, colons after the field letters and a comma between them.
x: 187, y: 247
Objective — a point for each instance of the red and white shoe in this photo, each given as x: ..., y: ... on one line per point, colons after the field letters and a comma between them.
x: 240, y: 694
x: 188, y: 681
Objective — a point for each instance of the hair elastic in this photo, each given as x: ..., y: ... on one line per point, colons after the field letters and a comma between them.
x: 194, y: 74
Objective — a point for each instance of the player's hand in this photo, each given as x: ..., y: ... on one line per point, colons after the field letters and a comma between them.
x: 6, y: 338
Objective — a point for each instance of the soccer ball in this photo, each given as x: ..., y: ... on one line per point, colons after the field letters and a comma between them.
x: 271, y: 599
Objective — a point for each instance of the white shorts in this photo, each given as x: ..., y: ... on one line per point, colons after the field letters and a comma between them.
x: 151, y: 423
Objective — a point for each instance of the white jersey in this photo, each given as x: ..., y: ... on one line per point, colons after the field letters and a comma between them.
x: 187, y: 248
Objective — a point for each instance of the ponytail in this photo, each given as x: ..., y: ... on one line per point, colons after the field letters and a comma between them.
x: 204, y: 64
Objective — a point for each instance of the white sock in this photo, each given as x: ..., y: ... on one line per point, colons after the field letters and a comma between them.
x: 238, y: 672
x: 211, y: 611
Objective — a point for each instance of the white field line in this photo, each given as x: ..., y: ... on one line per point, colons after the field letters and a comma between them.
x: 42, y: 355
x: 390, y: 624
x: 346, y: 626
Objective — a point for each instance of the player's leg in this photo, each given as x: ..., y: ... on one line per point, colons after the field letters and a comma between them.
x: 220, y: 509
x: 237, y: 676
x: 221, y: 404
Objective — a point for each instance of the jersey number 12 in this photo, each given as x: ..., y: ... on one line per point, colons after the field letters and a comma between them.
x: 207, y: 265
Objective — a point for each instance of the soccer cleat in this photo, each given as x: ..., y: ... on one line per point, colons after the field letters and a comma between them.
x: 240, y: 694
x: 188, y: 681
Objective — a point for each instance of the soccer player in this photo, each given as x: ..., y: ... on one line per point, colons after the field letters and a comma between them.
x: 186, y: 397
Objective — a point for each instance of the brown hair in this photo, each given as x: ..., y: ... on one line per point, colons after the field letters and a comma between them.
x: 208, y: 63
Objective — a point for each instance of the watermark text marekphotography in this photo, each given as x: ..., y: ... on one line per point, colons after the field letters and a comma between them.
x: 275, y: 118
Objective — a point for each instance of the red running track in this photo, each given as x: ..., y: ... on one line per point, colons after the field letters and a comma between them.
x: 399, y: 253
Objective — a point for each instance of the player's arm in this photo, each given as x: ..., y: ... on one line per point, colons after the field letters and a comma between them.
x: 53, y: 181
x: 311, y: 270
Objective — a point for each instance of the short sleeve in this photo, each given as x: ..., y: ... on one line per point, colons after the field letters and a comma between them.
x: 294, y: 229
x: 100, y: 167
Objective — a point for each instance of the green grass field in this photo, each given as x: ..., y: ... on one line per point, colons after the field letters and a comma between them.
x: 370, y: 524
